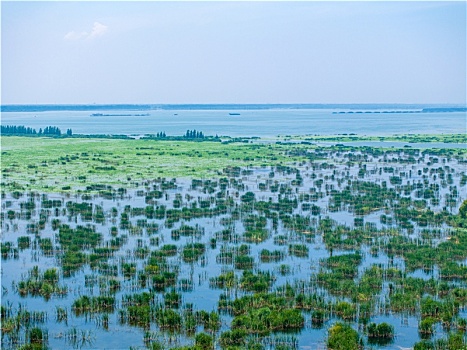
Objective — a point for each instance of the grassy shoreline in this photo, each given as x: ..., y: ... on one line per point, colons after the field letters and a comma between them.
x: 57, y: 164
x: 53, y: 164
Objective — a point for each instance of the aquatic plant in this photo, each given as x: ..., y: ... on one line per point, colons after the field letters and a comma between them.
x: 342, y: 337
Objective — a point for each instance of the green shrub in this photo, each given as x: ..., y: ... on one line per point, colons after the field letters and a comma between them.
x: 342, y: 337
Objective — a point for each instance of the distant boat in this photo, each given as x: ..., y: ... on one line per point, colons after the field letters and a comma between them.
x: 119, y: 115
x: 234, y: 113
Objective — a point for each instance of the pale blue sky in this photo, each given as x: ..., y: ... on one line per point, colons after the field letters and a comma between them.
x: 233, y: 52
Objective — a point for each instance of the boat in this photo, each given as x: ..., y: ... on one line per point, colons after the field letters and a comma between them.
x: 119, y: 115
x: 234, y: 113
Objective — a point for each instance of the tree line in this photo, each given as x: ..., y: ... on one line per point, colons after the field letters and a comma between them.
x: 23, y: 130
x: 193, y: 134
x: 188, y: 135
x: 54, y: 131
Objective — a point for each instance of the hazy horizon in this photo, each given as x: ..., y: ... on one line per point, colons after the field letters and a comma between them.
x: 159, y: 53
x: 307, y: 104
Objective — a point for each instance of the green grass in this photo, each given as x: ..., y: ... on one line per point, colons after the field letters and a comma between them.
x: 64, y: 164
x: 49, y: 165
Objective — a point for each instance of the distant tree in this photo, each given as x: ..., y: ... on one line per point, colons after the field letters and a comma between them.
x: 22, y: 130
x: 193, y: 134
x: 17, y: 130
x: 52, y: 131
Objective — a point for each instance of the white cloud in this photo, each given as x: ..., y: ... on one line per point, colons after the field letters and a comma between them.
x: 75, y: 35
x: 98, y: 29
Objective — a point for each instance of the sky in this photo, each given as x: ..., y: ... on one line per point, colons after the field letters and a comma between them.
x: 233, y: 52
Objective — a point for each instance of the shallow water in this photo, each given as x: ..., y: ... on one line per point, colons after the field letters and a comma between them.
x: 203, y: 297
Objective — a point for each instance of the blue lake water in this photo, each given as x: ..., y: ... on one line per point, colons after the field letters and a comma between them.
x: 250, y: 121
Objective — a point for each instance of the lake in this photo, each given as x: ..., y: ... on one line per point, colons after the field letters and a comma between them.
x: 267, y: 121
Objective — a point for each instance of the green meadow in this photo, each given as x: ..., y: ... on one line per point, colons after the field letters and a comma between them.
x: 55, y: 164
x: 50, y: 164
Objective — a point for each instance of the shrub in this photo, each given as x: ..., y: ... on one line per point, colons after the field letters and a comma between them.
x: 342, y: 337
x: 203, y: 341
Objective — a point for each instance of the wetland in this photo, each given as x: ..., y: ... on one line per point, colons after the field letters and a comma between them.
x: 110, y: 243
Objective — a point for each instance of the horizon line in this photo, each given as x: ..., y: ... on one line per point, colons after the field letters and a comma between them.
x: 237, y: 104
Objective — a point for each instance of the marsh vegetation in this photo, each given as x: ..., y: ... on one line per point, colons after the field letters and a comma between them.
x: 242, y: 245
